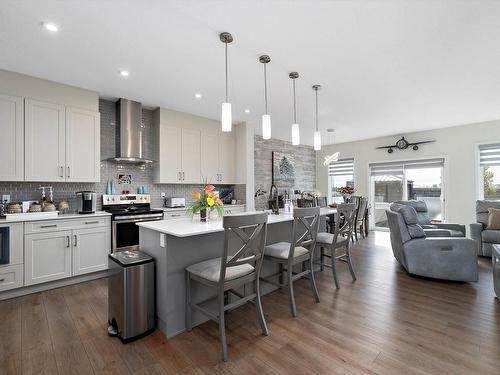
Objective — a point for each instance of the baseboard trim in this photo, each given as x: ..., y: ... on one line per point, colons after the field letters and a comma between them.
x: 52, y: 285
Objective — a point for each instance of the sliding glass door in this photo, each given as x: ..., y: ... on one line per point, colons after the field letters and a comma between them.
x: 407, y: 180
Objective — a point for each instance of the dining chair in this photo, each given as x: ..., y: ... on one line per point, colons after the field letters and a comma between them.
x: 360, y: 217
x: 340, y: 239
x: 247, y: 235
x: 299, y: 250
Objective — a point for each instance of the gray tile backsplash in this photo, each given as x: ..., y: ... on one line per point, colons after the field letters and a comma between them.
x: 142, y: 175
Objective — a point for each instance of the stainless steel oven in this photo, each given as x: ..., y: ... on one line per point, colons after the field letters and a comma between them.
x: 127, y: 210
x: 125, y: 232
x: 4, y: 245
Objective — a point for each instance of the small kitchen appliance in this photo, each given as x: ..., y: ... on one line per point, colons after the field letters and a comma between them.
x: 87, y: 201
x: 173, y: 202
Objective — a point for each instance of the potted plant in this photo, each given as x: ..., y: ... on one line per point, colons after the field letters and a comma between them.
x: 346, y: 192
x: 205, y: 200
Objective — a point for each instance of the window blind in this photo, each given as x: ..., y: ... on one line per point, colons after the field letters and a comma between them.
x: 341, y: 167
x: 397, y: 168
x: 489, y: 155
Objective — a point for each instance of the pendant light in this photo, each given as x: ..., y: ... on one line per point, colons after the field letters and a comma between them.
x: 226, y: 117
x: 317, y: 134
x: 266, y: 117
x: 295, y: 125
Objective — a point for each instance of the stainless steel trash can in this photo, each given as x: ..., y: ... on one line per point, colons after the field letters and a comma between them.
x: 131, y: 295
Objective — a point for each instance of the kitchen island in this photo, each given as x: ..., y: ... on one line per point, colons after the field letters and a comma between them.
x: 176, y: 244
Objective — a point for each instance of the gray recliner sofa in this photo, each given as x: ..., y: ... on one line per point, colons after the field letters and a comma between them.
x: 485, y: 238
x: 433, y: 229
x: 447, y: 258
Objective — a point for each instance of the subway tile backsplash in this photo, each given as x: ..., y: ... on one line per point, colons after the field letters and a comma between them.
x: 142, y: 175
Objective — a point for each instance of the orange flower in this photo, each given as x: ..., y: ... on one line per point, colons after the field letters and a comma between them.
x: 196, y: 195
x: 210, y: 194
x: 209, y: 188
x: 218, y: 202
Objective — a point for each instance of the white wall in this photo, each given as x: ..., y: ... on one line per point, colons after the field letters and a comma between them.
x: 456, y: 144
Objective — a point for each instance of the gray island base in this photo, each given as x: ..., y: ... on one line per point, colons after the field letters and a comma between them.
x: 176, y: 244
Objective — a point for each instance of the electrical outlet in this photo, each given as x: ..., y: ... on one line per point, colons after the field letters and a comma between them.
x: 163, y: 195
x: 6, y: 198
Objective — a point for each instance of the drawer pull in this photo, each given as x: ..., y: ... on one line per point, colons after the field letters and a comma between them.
x: 1, y: 280
x: 175, y: 215
x: 92, y: 222
x: 49, y: 226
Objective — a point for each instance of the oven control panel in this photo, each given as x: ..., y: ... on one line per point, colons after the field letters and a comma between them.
x: 125, y: 199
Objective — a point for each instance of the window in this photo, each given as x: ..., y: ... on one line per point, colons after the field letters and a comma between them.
x: 413, y: 179
x: 489, y: 172
x: 340, y: 173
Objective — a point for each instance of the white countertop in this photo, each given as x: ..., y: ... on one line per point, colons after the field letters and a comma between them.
x: 194, y: 227
x: 173, y: 209
x: 28, y: 217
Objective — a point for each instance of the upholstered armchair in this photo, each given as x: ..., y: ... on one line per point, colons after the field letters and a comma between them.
x: 485, y: 238
x: 433, y: 229
x: 447, y: 258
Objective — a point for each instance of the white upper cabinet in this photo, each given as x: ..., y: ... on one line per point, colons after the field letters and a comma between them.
x: 227, y: 158
x: 210, y: 157
x: 44, y: 141
x: 168, y: 168
x: 191, y: 157
x: 218, y: 158
x: 12, y: 149
x: 82, y: 146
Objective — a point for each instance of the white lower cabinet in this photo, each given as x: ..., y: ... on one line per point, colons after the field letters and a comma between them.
x: 52, y: 254
x: 88, y: 254
x: 11, y: 277
x: 47, y: 257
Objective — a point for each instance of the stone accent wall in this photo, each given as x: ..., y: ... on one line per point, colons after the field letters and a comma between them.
x: 305, y: 166
x: 142, y: 175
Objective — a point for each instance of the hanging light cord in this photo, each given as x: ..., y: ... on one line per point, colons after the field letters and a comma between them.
x: 265, y: 86
x: 316, y: 110
x: 226, y: 72
x: 294, y: 105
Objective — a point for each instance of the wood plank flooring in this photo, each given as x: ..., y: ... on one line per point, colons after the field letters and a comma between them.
x: 387, y: 322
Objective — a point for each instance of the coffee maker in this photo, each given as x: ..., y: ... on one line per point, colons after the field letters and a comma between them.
x: 87, y: 201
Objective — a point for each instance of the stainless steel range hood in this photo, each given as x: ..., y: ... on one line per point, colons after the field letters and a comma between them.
x: 129, y: 133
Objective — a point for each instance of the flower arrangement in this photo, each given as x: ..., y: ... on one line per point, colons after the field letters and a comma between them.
x: 345, y: 190
x: 206, y: 200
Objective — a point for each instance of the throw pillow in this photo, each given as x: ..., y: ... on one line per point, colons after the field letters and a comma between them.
x: 493, y: 218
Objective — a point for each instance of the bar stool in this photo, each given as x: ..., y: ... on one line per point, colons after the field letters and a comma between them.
x: 339, y: 239
x: 246, y: 234
x: 298, y: 251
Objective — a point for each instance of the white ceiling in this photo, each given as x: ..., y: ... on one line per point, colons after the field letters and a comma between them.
x: 387, y: 67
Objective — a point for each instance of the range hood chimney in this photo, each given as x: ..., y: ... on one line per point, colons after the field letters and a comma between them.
x: 129, y: 133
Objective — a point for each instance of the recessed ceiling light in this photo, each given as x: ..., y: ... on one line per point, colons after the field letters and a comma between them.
x: 124, y: 73
x: 197, y: 96
x: 50, y: 26
x: 247, y: 111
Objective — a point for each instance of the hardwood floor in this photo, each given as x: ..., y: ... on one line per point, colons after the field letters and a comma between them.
x: 387, y: 322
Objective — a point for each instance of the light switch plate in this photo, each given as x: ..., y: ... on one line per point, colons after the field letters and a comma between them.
x: 163, y: 195
x: 162, y: 239
x: 6, y: 197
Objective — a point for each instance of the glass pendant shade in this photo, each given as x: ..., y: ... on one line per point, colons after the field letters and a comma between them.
x: 266, y: 126
x: 295, y: 134
x: 227, y: 117
x: 317, y: 140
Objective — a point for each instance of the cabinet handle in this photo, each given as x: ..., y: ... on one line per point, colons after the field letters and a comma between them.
x: 1, y: 280
x: 76, y: 240
x: 68, y: 172
x: 92, y: 222
x: 183, y: 176
x: 62, y: 172
x: 49, y: 226
x: 67, y: 241
x: 179, y: 177
x: 176, y: 215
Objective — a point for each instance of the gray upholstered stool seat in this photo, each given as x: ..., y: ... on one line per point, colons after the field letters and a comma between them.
x: 210, y: 270
x: 327, y: 238
x: 281, y: 250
